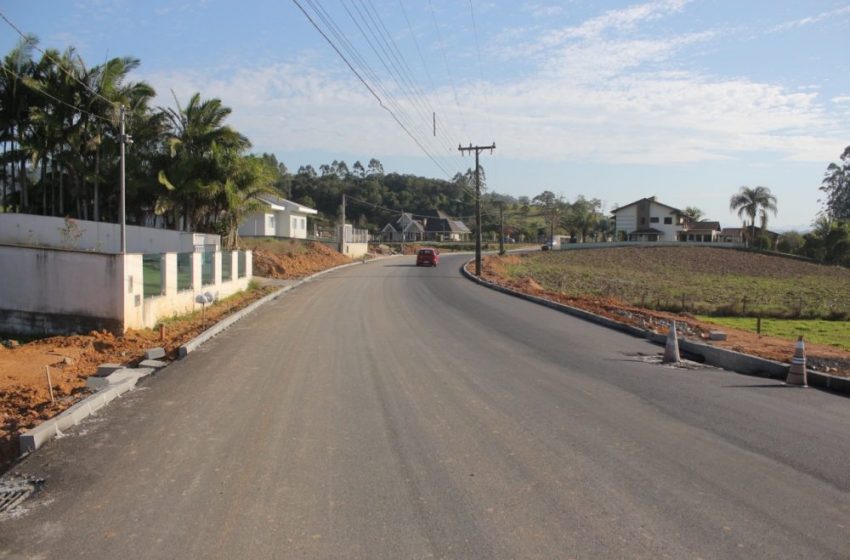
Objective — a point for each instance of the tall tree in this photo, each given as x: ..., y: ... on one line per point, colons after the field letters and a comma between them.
x: 693, y: 213
x: 552, y: 207
x: 201, y: 148
x: 836, y: 185
x: 749, y: 202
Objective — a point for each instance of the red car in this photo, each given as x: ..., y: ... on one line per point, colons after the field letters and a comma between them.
x: 427, y: 257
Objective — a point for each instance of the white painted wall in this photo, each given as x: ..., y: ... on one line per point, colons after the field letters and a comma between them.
x: 671, y: 231
x: 259, y: 224
x: 94, y: 287
x: 49, y: 231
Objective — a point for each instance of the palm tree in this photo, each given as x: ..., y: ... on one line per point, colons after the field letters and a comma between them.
x: 15, y: 101
x: 749, y: 202
x: 202, y: 147
x: 693, y: 213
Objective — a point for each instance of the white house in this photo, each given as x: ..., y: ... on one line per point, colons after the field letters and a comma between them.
x: 281, y: 218
x: 406, y: 229
x: 647, y: 220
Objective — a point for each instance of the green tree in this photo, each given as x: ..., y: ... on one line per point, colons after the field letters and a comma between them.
x: 836, y: 185
x: 749, y: 202
x: 202, y: 148
x: 693, y: 213
x: 552, y: 207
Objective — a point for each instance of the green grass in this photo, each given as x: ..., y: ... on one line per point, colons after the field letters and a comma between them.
x: 835, y: 333
x: 707, y: 280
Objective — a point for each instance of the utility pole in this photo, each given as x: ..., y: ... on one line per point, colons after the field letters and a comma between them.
x: 341, y: 233
x: 477, y: 150
x: 501, y: 227
x: 125, y: 139
x: 401, y: 223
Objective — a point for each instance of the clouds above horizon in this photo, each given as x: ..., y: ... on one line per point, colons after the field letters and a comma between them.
x: 600, y: 90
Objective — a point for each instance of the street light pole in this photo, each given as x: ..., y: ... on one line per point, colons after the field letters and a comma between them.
x: 125, y: 139
x: 477, y: 150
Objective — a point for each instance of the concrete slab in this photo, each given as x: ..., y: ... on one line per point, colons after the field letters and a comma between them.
x: 716, y: 335
x: 154, y: 353
x: 155, y: 364
x: 106, y: 369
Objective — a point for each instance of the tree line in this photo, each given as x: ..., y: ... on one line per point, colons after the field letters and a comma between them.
x: 59, y: 130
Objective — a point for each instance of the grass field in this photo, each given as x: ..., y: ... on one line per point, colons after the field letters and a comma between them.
x: 835, y: 333
x: 705, y: 280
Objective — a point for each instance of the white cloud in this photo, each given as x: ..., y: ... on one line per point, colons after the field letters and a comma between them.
x: 809, y: 20
x: 588, y: 98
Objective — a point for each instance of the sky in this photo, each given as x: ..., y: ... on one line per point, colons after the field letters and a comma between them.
x: 685, y: 100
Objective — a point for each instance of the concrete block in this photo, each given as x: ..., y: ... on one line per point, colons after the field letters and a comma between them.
x: 154, y: 364
x: 106, y: 369
x: 154, y: 353
x: 716, y: 335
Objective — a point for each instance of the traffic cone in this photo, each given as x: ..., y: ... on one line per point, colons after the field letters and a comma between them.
x: 797, y: 371
x: 671, y: 347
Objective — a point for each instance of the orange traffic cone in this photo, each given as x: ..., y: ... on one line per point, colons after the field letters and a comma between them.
x: 797, y: 371
x: 671, y: 347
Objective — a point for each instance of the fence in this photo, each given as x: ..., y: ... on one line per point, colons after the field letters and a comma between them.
x: 49, y: 291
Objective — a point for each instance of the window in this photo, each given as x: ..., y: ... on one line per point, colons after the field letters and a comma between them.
x: 653, y: 220
x: 668, y: 221
x: 643, y: 221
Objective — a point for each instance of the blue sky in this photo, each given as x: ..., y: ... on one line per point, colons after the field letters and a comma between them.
x: 685, y: 100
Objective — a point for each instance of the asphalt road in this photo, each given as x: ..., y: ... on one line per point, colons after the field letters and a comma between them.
x: 389, y: 411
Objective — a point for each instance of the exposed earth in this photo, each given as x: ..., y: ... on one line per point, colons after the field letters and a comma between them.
x: 24, y: 395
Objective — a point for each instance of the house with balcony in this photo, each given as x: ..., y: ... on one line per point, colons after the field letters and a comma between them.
x: 648, y: 220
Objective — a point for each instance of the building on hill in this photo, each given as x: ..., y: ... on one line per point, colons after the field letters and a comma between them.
x: 647, y: 220
x: 741, y: 235
x: 439, y: 226
x: 279, y: 218
x: 704, y: 231
x: 405, y: 228
x: 434, y: 225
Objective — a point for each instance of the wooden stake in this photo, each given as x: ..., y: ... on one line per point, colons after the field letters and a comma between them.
x: 49, y: 384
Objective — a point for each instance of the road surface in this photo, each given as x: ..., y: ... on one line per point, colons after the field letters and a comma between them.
x: 389, y: 411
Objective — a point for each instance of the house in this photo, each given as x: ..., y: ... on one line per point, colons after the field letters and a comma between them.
x: 439, y: 226
x: 434, y: 225
x: 740, y: 236
x: 280, y: 218
x: 704, y: 231
x: 647, y: 220
x: 405, y: 228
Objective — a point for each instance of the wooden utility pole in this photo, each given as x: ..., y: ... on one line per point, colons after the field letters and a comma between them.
x: 501, y: 227
x: 477, y: 150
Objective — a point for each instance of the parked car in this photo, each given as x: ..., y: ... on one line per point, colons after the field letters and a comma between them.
x: 427, y: 257
x: 545, y: 247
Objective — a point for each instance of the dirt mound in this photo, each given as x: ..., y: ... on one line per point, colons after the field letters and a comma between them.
x: 291, y: 264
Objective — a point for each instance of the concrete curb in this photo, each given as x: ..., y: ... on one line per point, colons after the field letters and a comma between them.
x: 36, y: 437
x: 712, y: 355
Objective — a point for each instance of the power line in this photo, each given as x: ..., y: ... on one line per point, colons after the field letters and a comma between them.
x: 24, y: 81
x: 369, y: 88
x: 393, y: 61
x: 359, y: 60
x: 446, y: 63
x: 58, y: 64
